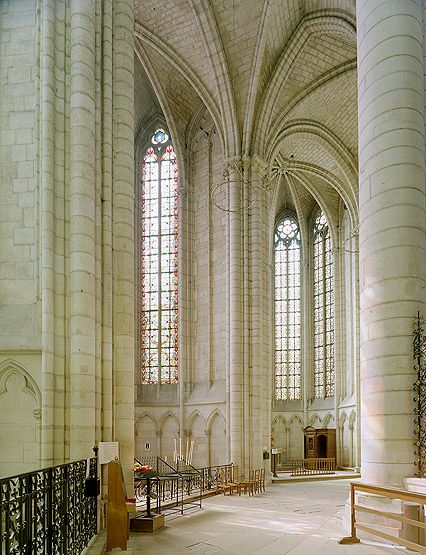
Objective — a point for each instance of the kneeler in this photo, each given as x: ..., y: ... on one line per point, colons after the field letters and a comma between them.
x: 117, y: 519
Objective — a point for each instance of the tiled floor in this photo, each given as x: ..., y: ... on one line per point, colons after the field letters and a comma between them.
x: 294, y: 519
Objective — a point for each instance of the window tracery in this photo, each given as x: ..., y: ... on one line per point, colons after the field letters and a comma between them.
x: 158, y: 310
x: 323, y: 309
x: 287, y: 310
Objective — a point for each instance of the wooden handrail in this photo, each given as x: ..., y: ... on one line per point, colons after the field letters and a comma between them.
x: 392, y: 493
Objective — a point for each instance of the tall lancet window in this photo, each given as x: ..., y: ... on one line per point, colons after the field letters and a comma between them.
x: 323, y: 309
x: 158, y: 313
x: 287, y: 310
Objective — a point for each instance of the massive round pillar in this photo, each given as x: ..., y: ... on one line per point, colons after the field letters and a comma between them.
x: 392, y: 229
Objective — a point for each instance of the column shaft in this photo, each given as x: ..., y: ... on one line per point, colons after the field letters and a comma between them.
x: 123, y: 235
x: 82, y: 228
x: 392, y: 228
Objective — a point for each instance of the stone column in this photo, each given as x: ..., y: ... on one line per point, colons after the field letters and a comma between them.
x: 235, y: 321
x: 123, y: 235
x: 392, y: 229
x: 258, y: 260
x: 82, y: 229
x: 47, y: 224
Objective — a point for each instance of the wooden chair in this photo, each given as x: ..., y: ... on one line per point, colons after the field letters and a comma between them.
x: 247, y: 485
x: 256, y: 483
x: 234, y: 482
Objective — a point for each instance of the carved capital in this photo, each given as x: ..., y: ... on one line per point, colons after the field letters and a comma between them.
x: 37, y: 414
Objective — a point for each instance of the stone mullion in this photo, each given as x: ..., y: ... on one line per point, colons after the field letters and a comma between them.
x: 82, y: 228
x: 123, y: 234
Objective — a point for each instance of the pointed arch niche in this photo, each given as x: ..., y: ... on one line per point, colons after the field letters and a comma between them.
x: 20, y: 406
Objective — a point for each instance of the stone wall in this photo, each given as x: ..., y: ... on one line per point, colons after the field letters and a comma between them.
x: 20, y: 337
x: 67, y: 230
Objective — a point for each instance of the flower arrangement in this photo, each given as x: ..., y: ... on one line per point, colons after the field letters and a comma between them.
x: 143, y: 471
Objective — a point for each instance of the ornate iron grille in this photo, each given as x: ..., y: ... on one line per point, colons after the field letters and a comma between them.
x: 187, y: 483
x: 419, y: 356
x: 46, y: 512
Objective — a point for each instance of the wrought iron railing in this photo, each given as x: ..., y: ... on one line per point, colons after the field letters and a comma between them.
x: 46, y: 512
x: 419, y: 357
x: 306, y: 467
x: 177, y: 485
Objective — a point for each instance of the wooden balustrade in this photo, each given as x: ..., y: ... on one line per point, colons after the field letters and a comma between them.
x: 390, y: 493
x: 307, y: 467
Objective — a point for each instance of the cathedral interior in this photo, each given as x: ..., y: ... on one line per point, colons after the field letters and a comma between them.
x: 212, y: 231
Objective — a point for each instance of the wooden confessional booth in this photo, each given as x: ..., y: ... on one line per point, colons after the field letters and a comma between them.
x: 320, y: 443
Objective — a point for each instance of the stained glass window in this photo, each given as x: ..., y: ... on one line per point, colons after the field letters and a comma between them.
x: 287, y: 310
x: 323, y: 310
x: 158, y: 313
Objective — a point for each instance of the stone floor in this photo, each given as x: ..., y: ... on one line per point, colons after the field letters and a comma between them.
x: 338, y: 475
x: 293, y: 519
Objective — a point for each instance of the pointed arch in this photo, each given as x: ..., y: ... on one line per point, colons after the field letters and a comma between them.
x: 158, y: 218
x: 147, y: 416
x: 255, y: 74
x: 190, y: 420
x: 205, y: 18
x: 279, y: 419
x: 148, y: 37
x: 10, y: 367
x: 313, y: 419
x: 327, y: 140
x: 328, y: 418
x: 342, y: 419
x: 168, y: 113
x: 287, y: 308
x: 314, y: 24
x: 20, y: 407
x: 168, y: 414
x: 215, y: 413
x: 296, y: 418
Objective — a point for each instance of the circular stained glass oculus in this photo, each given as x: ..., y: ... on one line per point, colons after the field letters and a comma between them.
x: 159, y: 137
x: 288, y: 229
